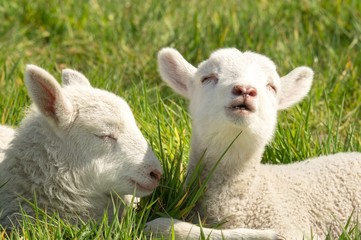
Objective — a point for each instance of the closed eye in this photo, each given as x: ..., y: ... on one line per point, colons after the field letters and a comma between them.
x: 272, y: 87
x: 107, y: 137
x: 210, y: 78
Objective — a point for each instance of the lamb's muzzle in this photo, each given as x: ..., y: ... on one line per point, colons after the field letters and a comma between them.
x: 150, y: 183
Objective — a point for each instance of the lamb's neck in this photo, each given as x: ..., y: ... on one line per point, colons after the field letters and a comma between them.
x: 33, y: 159
x: 235, y: 176
x: 240, y: 162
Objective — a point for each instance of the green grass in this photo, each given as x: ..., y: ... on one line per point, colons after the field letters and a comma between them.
x: 114, y: 43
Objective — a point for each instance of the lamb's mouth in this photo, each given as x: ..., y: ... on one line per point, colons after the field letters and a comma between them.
x: 142, y: 187
x: 241, y: 108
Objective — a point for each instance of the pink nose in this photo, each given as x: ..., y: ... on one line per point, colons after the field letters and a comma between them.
x: 239, y: 90
x: 155, y: 175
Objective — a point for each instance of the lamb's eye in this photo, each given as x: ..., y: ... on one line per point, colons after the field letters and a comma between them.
x: 271, y: 87
x: 107, y: 137
x: 209, y: 78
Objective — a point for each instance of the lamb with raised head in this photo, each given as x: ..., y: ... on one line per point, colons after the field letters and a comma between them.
x: 76, y: 146
x: 238, y: 94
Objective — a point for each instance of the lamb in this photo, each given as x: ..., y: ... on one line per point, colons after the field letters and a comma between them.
x: 76, y: 146
x: 235, y: 96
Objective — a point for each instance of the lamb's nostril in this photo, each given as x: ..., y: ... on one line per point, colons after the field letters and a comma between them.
x: 239, y: 90
x: 252, y: 92
x: 156, y: 175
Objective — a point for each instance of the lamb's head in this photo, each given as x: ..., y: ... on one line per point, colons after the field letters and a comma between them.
x: 233, y: 92
x: 97, y: 138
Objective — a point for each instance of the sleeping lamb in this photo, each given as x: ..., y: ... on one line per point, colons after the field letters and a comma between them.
x: 76, y: 146
x: 235, y: 96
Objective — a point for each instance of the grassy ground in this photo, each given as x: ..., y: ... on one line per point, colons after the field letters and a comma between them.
x: 115, y: 44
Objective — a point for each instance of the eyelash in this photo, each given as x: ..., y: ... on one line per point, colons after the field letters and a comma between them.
x: 209, y: 78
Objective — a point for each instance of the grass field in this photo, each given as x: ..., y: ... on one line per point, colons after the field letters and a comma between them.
x: 114, y: 43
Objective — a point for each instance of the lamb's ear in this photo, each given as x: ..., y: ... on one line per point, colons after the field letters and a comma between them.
x: 295, y: 86
x: 70, y: 77
x: 175, y: 70
x: 47, y: 95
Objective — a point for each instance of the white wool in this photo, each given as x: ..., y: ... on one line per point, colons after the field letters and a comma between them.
x: 235, y: 93
x: 6, y: 135
x: 76, y: 146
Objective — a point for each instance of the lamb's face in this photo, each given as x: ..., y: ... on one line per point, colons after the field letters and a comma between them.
x: 113, y: 154
x: 101, y: 142
x: 235, y: 91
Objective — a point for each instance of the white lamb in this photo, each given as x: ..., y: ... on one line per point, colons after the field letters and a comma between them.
x: 76, y: 146
x: 234, y: 93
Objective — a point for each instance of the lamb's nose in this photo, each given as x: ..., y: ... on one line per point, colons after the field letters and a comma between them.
x: 155, y: 175
x: 239, y: 90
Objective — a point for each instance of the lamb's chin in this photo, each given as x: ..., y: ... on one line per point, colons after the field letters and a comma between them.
x: 239, y: 116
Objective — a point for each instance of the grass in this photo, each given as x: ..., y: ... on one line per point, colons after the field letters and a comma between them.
x: 115, y: 44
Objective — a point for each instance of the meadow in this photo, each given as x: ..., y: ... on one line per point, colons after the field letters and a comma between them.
x: 115, y: 43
